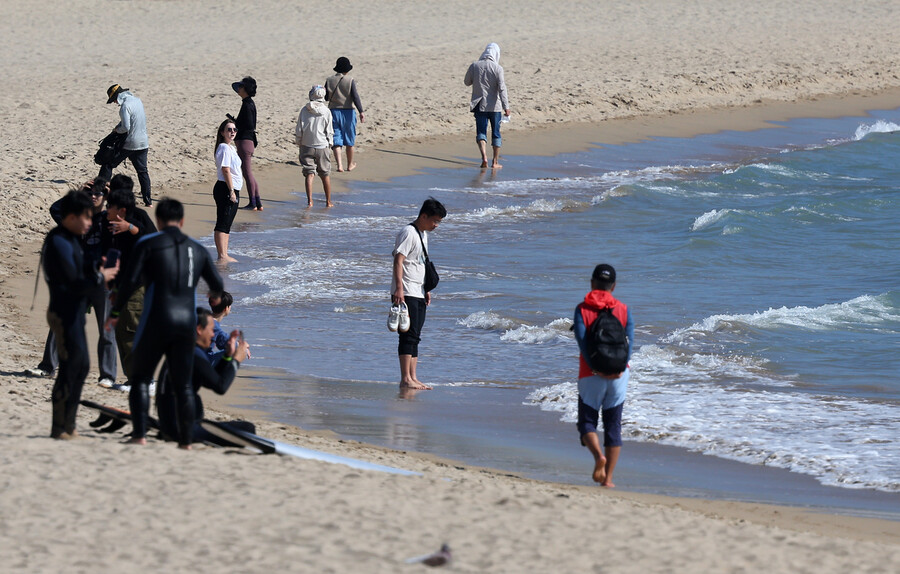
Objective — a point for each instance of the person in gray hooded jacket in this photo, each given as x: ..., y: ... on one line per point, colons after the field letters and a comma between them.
x: 489, y: 99
x: 315, y: 134
x: 133, y: 121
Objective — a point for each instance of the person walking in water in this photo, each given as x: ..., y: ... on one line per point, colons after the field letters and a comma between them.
x: 602, y: 393
x: 341, y: 95
x: 489, y: 99
x: 315, y: 134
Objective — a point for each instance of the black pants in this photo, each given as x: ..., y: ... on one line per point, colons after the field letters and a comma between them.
x: 409, y: 341
x: 72, y: 349
x: 177, y: 345
x: 138, y: 159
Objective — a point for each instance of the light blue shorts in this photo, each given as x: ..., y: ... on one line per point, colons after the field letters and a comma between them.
x: 601, y: 394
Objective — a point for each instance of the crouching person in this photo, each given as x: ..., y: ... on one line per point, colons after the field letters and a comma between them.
x: 204, y: 375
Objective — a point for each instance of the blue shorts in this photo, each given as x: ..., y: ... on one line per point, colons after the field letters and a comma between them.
x: 344, y: 127
x: 597, y: 395
x: 481, y: 124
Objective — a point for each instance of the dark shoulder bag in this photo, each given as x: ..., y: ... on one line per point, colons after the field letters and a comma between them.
x: 431, y: 275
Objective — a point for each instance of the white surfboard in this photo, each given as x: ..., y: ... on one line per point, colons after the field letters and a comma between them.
x: 268, y: 446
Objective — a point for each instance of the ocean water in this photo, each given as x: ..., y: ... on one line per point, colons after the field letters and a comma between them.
x: 762, y: 270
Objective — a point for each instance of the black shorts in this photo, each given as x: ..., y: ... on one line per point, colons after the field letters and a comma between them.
x: 225, y: 208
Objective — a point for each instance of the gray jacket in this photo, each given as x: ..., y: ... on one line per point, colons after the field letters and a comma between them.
x: 488, y: 86
x: 133, y: 121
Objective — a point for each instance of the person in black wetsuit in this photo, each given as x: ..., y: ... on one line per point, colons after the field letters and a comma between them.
x: 169, y: 264
x: 70, y: 277
x: 217, y: 377
x: 94, y: 248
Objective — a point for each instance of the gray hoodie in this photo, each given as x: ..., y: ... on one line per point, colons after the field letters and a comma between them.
x: 488, y: 86
x: 314, y: 126
x: 133, y: 121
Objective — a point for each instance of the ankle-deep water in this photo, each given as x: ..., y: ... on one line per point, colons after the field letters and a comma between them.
x: 762, y: 270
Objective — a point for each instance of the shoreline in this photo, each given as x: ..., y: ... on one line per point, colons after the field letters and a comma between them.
x: 283, y: 185
x: 627, y: 72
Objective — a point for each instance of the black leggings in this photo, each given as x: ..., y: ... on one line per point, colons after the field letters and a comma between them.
x: 225, y: 208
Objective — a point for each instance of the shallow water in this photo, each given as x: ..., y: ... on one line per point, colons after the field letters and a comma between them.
x: 761, y: 269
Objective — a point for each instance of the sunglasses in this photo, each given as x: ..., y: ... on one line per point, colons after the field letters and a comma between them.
x: 231, y: 130
x: 96, y: 193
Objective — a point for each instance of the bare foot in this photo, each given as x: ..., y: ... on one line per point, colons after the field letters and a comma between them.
x: 351, y: 167
x: 226, y: 259
x: 255, y: 209
x: 185, y: 447
x: 308, y: 205
x: 66, y: 435
x: 496, y: 165
x: 484, y: 163
x: 329, y: 204
x: 417, y: 385
x: 340, y: 168
x: 600, y: 470
x: 259, y: 207
x: 607, y: 484
x: 141, y: 441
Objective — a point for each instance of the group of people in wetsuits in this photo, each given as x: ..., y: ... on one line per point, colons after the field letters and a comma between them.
x: 167, y: 266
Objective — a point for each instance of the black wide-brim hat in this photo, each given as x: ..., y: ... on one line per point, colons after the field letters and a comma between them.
x: 249, y: 85
x: 343, y: 65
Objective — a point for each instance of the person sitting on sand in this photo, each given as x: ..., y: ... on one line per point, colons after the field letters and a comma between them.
x: 600, y: 393
x: 488, y: 100
x: 203, y: 375
x: 315, y: 134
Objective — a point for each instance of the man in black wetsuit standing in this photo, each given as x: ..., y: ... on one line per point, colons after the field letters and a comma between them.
x: 71, y: 277
x: 169, y: 264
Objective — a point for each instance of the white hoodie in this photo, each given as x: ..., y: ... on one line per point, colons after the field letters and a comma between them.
x: 314, y: 126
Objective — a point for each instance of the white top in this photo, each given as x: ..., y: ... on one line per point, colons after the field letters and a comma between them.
x: 226, y: 156
x: 408, y: 244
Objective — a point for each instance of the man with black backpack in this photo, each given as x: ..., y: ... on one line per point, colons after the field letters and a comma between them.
x: 605, y: 333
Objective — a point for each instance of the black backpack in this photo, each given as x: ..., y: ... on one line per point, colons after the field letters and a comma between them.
x: 606, y: 344
x: 109, y: 147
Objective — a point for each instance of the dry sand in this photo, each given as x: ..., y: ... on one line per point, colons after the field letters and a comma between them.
x: 662, y: 67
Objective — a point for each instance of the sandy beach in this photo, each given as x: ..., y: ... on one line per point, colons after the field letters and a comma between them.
x: 578, y: 73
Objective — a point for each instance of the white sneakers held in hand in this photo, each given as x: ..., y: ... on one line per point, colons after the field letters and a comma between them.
x: 398, y: 318
x: 404, y: 318
x: 393, y: 322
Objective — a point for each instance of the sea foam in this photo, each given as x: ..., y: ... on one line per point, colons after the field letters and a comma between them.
x: 678, y: 400
x: 879, y: 127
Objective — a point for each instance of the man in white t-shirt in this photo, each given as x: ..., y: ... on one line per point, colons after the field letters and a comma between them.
x: 407, y: 285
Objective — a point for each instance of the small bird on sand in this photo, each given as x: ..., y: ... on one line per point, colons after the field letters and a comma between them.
x: 438, y: 558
